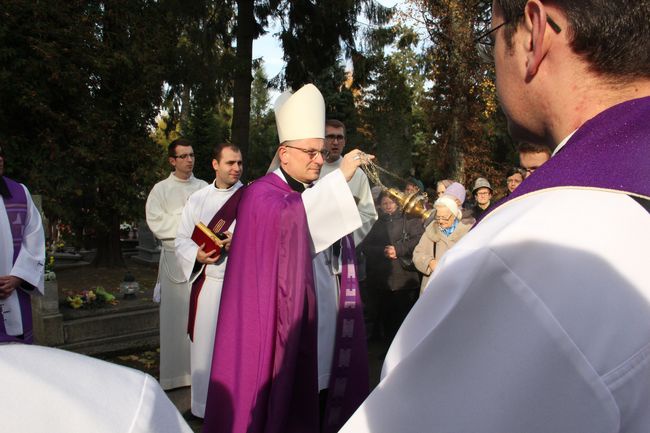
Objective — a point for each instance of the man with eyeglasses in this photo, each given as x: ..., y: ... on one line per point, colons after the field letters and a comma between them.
x: 163, y: 211
x: 538, y: 320
x: 265, y: 369
x: 22, y: 259
x: 328, y: 263
x: 532, y: 156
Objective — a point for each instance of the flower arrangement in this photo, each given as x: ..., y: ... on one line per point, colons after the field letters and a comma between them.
x: 49, y: 263
x: 90, y: 298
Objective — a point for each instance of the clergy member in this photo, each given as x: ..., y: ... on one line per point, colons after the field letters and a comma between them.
x: 163, y: 209
x: 328, y: 264
x: 205, y: 268
x: 264, y: 371
x: 538, y: 320
x: 22, y: 258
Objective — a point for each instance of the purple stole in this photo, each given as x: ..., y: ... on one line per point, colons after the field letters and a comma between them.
x: 16, y: 207
x: 218, y: 224
x: 349, y: 383
x: 609, y: 152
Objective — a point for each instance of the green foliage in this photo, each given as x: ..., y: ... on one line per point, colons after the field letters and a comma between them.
x: 463, y: 137
x: 85, y: 83
x: 263, y: 136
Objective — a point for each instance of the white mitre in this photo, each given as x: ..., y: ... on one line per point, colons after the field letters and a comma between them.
x: 298, y: 116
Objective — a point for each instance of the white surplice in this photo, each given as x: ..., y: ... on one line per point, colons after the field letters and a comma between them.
x: 538, y: 320
x: 163, y: 209
x: 55, y: 391
x: 29, y: 264
x: 201, y: 207
x: 328, y: 268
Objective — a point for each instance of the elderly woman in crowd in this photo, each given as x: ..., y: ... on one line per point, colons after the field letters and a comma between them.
x: 514, y: 177
x: 439, y: 236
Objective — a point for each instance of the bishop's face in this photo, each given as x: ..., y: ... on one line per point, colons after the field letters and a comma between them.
x: 302, y: 159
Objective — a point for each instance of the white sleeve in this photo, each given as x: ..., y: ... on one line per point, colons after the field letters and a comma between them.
x: 161, y: 222
x: 30, y: 262
x: 331, y: 210
x: 366, y: 205
x: 185, y: 248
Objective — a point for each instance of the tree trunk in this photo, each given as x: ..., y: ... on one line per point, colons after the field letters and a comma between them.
x: 243, y: 74
x: 109, y: 249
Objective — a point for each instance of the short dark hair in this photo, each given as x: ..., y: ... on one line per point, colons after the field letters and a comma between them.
x: 534, y: 148
x: 334, y: 123
x: 171, y: 149
x: 515, y: 170
x: 612, y: 36
x: 218, y: 150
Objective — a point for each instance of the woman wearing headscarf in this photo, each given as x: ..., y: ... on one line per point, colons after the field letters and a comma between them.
x: 439, y: 236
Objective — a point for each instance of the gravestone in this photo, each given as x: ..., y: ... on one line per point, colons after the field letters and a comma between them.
x: 46, y: 318
x: 148, y: 246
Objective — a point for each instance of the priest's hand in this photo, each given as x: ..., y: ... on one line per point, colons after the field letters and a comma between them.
x: 353, y: 160
x: 226, y: 242
x: 207, y: 258
x: 8, y: 283
x: 432, y: 264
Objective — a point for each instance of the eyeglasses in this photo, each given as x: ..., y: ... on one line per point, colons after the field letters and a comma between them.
x: 313, y: 153
x: 485, y: 41
x: 184, y: 156
x: 441, y: 218
x: 333, y: 137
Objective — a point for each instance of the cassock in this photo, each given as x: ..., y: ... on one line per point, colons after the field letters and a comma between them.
x: 264, y: 368
x: 327, y: 269
x: 163, y: 209
x: 538, y: 320
x: 55, y: 391
x: 22, y: 254
x: 201, y: 207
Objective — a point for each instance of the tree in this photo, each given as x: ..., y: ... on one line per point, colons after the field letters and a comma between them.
x: 86, y: 83
x: 462, y: 138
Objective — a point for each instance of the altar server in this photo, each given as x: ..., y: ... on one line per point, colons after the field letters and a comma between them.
x: 163, y: 209
x: 203, y: 267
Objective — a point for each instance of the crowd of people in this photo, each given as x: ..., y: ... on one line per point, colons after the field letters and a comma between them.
x: 522, y: 314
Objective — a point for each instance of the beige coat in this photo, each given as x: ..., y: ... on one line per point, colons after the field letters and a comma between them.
x: 424, y: 251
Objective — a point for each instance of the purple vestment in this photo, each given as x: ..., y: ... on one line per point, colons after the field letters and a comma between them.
x: 264, y: 367
x: 16, y: 208
x: 611, y: 152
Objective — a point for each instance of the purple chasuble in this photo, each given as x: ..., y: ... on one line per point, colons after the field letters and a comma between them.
x: 609, y: 152
x: 264, y: 366
x: 16, y: 208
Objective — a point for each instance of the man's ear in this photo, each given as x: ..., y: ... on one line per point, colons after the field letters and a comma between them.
x: 282, y: 155
x: 172, y: 161
x: 215, y: 164
x: 535, y: 24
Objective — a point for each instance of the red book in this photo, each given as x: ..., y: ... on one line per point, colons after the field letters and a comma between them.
x: 213, y: 241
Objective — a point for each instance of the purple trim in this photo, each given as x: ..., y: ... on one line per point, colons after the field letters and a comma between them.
x: 16, y: 207
x: 349, y: 382
x: 610, y: 151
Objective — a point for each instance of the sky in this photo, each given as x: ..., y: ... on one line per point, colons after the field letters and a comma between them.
x: 268, y: 47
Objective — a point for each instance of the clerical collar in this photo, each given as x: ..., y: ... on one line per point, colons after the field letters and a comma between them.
x: 562, y: 143
x: 295, y: 185
x: 214, y: 183
x: 4, y: 189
